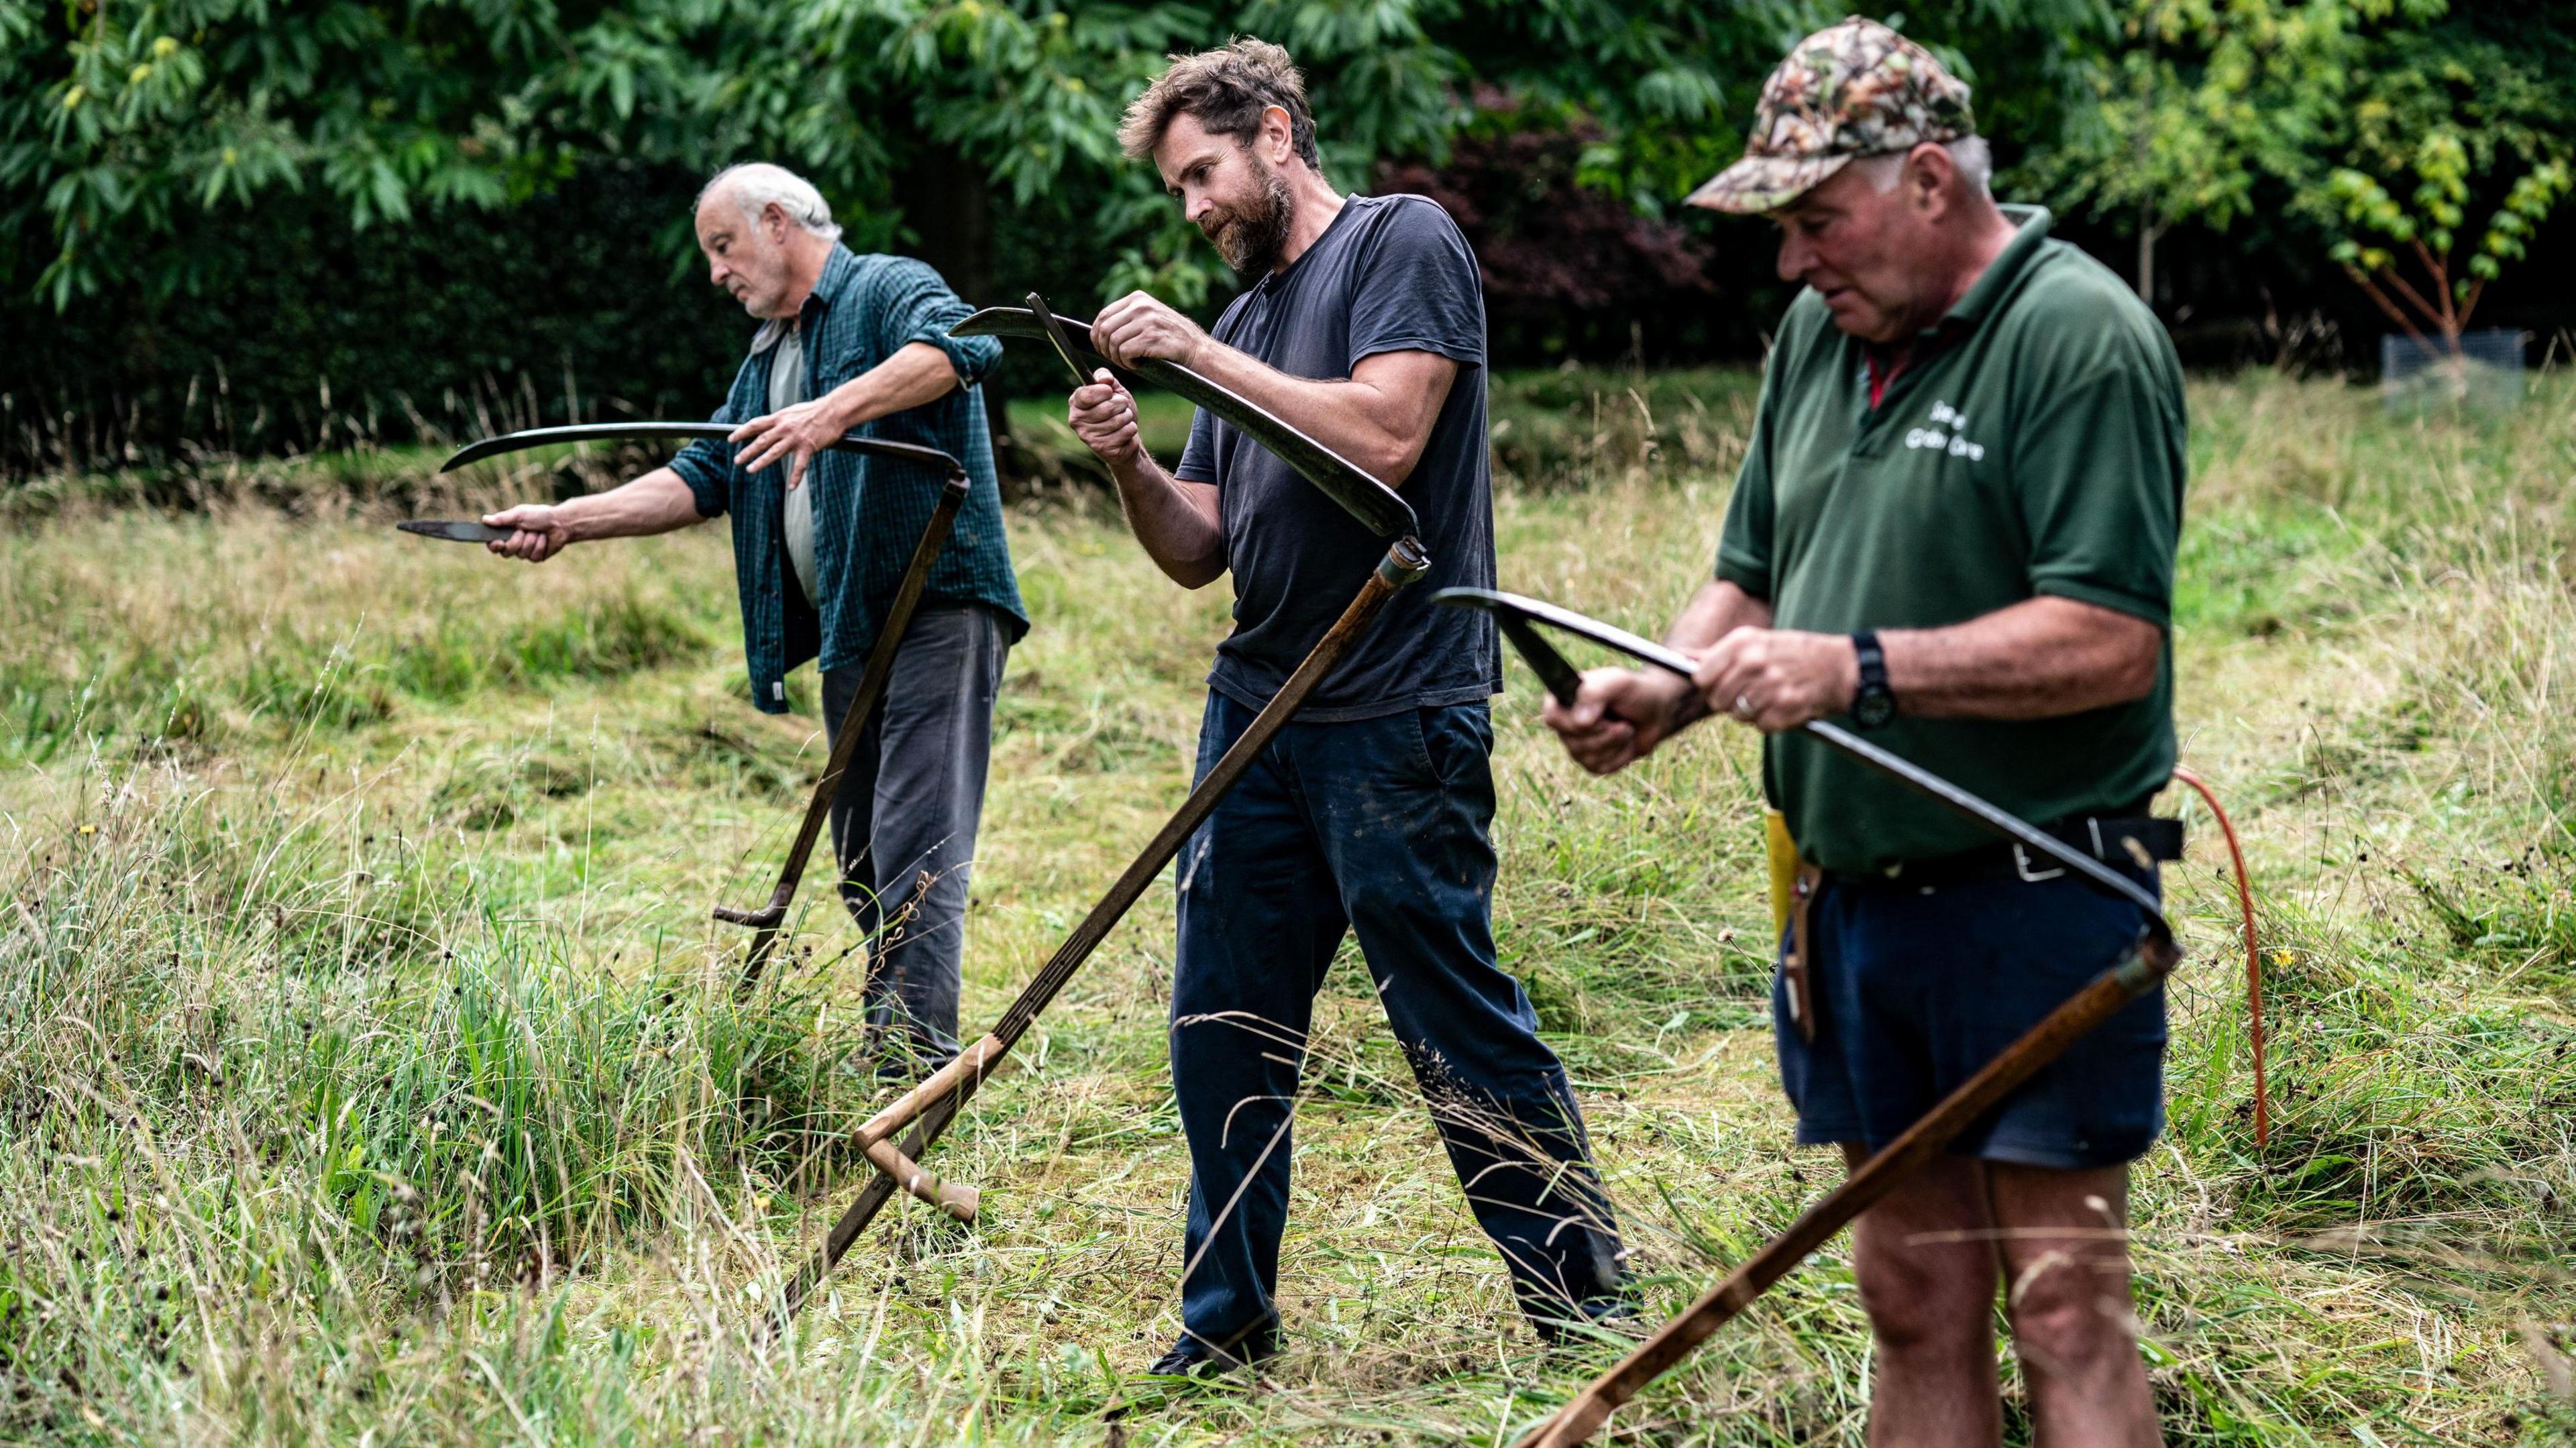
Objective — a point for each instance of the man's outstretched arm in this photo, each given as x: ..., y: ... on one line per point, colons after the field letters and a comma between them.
x: 2040, y: 658
x: 657, y: 502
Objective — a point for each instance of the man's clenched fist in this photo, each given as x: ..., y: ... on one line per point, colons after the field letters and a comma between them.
x: 541, y: 532
x: 1617, y: 717
x: 1778, y: 678
x: 1104, y: 417
x: 1136, y: 326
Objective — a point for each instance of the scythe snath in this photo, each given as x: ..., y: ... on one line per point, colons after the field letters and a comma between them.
x: 929, y: 1108
x: 767, y: 921
x: 2149, y: 960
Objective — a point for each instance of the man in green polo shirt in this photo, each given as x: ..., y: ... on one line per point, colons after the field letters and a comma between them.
x: 1954, y: 527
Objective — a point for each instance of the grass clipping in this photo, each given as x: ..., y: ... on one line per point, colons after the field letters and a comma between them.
x: 369, y: 1072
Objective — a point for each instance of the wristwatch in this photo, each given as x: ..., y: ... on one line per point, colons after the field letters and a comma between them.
x: 1872, y: 704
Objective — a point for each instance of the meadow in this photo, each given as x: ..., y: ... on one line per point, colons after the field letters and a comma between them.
x: 369, y: 1069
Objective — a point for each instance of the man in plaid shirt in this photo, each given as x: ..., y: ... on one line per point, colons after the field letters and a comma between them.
x: 848, y: 343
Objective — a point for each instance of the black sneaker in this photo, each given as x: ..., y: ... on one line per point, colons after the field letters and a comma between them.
x: 1195, y: 1357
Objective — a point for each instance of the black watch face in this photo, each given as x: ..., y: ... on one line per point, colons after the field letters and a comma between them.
x: 1873, y: 708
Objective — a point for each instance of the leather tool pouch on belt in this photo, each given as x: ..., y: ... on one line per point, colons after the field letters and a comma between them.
x: 1793, y: 888
x: 1793, y: 965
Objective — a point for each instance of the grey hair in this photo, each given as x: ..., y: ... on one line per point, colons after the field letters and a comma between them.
x: 755, y: 184
x: 1970, y: 155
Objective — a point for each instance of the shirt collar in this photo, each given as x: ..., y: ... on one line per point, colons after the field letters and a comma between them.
x: 2031, y: 225
x: 837, y: 271
x: 1272, y: 281
x: 2001, y: 275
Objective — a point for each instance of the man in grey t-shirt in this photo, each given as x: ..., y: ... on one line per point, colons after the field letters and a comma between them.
x: 1362, y: 324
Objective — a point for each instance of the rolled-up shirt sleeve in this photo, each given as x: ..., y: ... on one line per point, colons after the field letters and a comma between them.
x: 707, y: 467
x: 915, y: 305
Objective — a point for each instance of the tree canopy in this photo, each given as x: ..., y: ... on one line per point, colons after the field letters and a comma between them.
x: 155, y: 153
x: 121, y: 119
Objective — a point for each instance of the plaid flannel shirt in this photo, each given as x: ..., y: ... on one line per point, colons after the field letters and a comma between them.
x: 868, y: 511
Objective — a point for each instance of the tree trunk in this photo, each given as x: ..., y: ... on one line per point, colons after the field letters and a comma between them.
x: 2148, y: 231
x: 949, y: 206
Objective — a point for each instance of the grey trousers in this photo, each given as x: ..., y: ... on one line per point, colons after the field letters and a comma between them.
x: 903, y: 822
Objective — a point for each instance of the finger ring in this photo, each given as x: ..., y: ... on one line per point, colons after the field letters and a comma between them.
x: 1743, y: 707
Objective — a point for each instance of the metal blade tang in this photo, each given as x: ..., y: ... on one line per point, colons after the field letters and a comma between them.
x: 536, y: 437
x: 1376, y: 505
x: 454, y: 530
x: 1045, y: 316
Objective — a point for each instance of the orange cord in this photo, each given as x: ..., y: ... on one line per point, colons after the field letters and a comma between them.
x: 2253, y: 956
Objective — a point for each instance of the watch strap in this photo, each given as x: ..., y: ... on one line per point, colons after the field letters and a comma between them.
x: 1873, y: 681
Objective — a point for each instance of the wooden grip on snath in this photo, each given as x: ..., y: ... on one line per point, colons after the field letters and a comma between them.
x: 876, y: 1135
x: 2139, y: 971
x: 956, y: 1201
x: 927, y: 1109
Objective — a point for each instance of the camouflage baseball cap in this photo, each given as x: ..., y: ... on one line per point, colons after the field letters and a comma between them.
x: 1849, y: 90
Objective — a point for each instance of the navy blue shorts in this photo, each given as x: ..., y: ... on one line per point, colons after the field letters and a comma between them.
x: 1917, y: 988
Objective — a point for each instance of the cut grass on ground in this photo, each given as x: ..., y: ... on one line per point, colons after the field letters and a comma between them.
x: 368, y: 1070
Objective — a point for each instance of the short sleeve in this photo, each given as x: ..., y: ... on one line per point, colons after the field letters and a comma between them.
x: 1416, y: 288
x: 2098, y: 471
x: 915, y: 305
x: 707, y: 467
x: 1744, y: 543
x: 1198, y: 458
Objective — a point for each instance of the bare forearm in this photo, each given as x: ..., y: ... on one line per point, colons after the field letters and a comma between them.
x: 2037, y: 659
x: 916, y: 374
x: 1380, y: 418
x: 1718, y: 609
x: 657, y: 502
x: 1177, y: 522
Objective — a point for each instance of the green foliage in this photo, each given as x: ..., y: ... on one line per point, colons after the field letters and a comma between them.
x: 125, y: 118
x: 120, y: 121
x: 2371, y: 123
x: 2427, y: 222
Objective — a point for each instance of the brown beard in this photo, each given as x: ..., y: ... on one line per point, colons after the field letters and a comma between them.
x: 1251, y: 239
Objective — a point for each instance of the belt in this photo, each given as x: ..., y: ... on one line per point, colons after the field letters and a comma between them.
x: 2135, y: 842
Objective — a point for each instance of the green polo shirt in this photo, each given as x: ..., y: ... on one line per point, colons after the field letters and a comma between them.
x: 2033, y: 445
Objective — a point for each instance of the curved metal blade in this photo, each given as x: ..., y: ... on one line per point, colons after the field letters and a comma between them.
x: 1376, y: 505
x: 1509, y: 606
x: 510, y: 442
x: 454, y: 530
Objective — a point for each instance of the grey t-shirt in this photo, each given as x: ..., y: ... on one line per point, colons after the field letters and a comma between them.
x: 786, y: 389
x: 1391, y: 274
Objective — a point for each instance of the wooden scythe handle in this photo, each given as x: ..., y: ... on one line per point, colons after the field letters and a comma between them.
x: 770, y: 918
x: 957, y: 1201
x: 968, y: 1070
x: 2136, y: 973
x: 932, y: 1105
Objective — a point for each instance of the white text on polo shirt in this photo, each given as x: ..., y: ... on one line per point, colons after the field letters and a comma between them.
x: 1950, y: 442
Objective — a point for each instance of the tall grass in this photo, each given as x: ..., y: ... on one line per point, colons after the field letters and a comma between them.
x: 370, y: 1072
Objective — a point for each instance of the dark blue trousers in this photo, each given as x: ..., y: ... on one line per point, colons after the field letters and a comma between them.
x: 1381, y: 827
